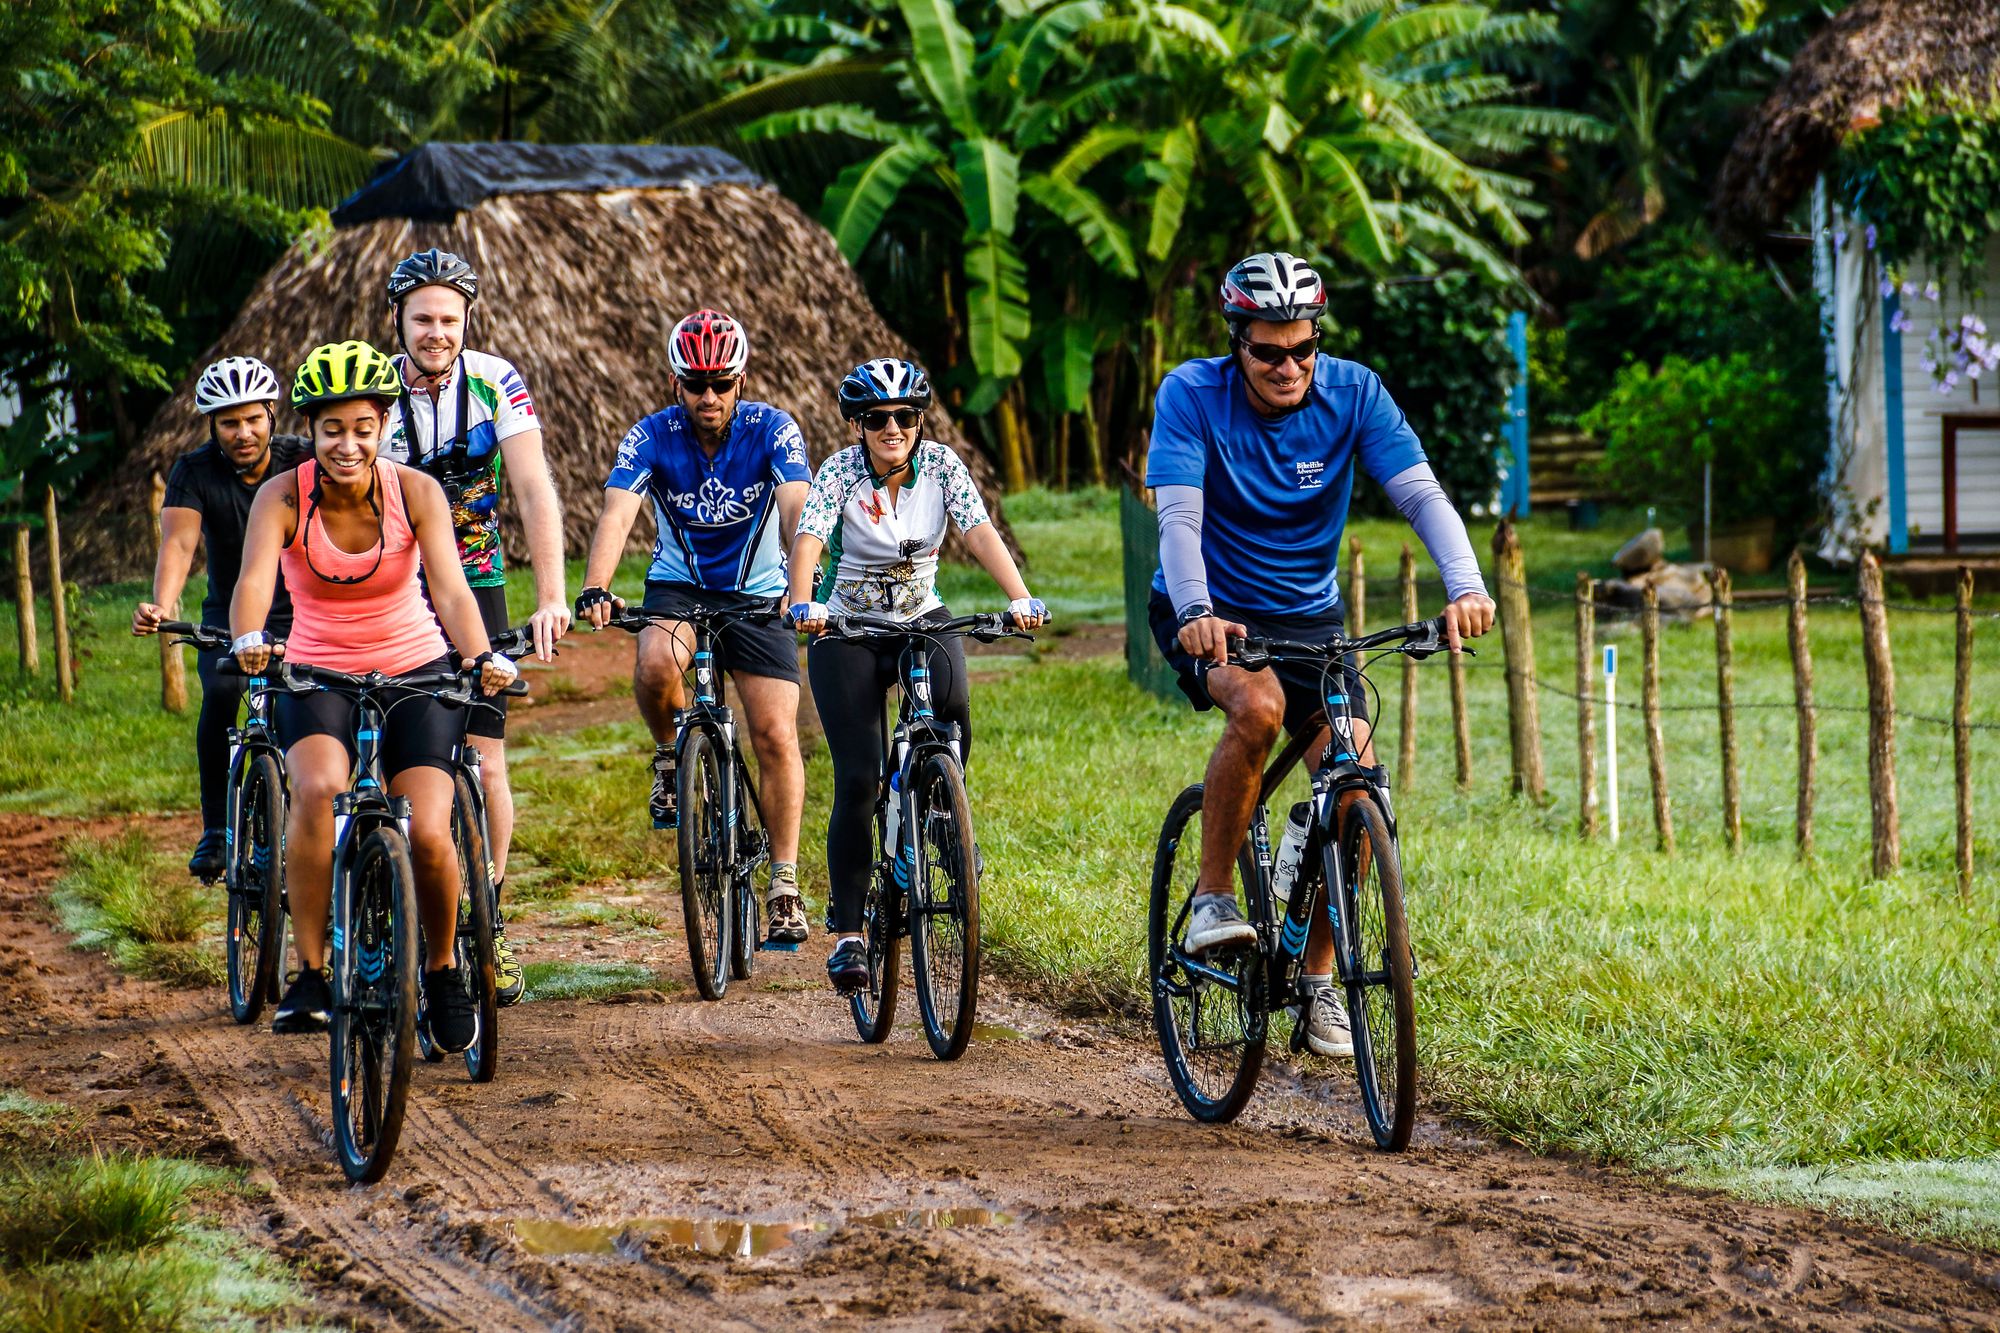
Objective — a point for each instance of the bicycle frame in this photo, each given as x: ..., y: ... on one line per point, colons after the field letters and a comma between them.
x: 255, y: 737
x: 917, y: 735
x: 356, y: 812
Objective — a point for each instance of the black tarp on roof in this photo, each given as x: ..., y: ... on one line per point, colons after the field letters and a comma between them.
x: 437, y: 182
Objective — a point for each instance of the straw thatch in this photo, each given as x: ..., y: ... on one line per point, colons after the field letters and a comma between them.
x: 1864, y: 59
x: 576, y: 289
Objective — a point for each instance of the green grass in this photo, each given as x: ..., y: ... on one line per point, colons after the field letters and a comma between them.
x: 129, y: 899
x: 1955, y: 1201
x: 592, y: 981
x: 1070, y: 541
x: 90, y: 1244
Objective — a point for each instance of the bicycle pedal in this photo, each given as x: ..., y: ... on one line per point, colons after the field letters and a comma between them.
x: 777, y: 946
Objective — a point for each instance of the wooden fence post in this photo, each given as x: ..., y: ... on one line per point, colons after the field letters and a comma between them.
x: 1885, y: 821
x: 173, y: 667
x: 24, y: 603
x: 1406, y: 749
x: 58, y: 601
x: 1961, y: 733
x: 1802, y: 697
x: 1725, y: 707
x: 1357, y: 590
x: 1461, y: 725
x: 1656, y: 740
x: 1586, y: 713
x: 1517, y: 640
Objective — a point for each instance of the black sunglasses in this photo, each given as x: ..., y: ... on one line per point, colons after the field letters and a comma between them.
x: 694, y: 386
x: 1271, y: 354
x: 879, y: 419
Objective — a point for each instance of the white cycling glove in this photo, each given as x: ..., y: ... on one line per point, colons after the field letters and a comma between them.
x: 256, y: 638
x: 1028, y: 608
x: 807, y: 613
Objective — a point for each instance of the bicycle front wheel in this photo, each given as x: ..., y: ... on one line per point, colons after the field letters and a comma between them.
x: 374, y: 1031
x: 1208, y: 1010
x: 477, y: 909
x: 704, y: 853
x: 1380, y: 980
x: 257, y: 889
x: 944, y: 908
x: 874, y: 1005
x: 753, y: 849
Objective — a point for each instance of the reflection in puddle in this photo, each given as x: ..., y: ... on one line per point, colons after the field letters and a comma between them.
x: 930, y: 1219
x: 743, y: 1240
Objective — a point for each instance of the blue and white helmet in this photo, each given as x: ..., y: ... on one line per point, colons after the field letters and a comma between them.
x: 883, y: 381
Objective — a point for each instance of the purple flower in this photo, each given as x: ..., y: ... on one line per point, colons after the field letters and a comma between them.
x: 1870, y: 235
x: 1909, y: 291
x: 1931, y: 291
x: 1950, y: 381
x: 1901, y: 322
x: 1888, y: 288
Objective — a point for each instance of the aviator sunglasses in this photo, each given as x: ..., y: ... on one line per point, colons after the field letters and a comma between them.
x: 1272, y: 354
x: 694, y: 386
x: 879, y: 418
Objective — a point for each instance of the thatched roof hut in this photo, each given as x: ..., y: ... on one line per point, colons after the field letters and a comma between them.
x: 1866, y: 57
x: 580, y: 275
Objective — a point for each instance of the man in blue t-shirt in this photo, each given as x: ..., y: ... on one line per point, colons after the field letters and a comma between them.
x: 727, y: 480
x: 1252, y: 464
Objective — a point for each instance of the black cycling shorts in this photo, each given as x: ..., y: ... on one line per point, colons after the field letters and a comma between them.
x: 417, y: 731
x: 752, y: 650
x: 492, y: 599
x: 1304, y: 703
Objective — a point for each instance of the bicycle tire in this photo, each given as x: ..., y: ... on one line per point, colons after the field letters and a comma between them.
x: 256, y: 939
x: 705, y: 897
x: 944, y: 930
x: 753, y: 850
x: 1381, y: 992
x: 874, y: 1005
x: 374, y: 1025
x: 477, y: 910
x: 1214, y: 1085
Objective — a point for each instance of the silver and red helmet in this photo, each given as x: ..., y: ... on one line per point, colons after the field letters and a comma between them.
x: 708, y: 342
x: 234, y: 381
x: 1277, y: 287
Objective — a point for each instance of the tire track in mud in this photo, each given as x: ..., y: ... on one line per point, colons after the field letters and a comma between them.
x: 1116, y: 1211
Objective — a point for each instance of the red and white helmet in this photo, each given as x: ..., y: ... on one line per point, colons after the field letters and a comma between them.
x: 1274, y: 286
x: 708, y: 342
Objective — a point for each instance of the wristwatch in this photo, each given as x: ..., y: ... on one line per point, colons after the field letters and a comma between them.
x: 1195, y: 612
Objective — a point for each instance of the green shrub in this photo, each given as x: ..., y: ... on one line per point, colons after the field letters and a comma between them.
x: 123, y: 896
x: 92, y: 1205
x: 1659, y: 430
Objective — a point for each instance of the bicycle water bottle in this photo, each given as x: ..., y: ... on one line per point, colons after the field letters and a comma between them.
x: 1291, y: 852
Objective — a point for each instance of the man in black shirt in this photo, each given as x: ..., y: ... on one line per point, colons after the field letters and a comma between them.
x: 208, y: 498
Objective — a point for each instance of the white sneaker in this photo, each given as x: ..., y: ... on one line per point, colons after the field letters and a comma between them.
x: 1327, y: 1030
x: 1214, y: 921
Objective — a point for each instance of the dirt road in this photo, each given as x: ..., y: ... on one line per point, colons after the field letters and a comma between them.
x: 747, y: 1164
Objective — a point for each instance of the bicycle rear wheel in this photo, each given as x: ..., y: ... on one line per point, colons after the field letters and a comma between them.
x: 1209, y: 1012
x: 374, y: 1002
x: 753, y: 849
x: 1375, y: 943
x: 874, y: 1005
x: 477, y: 910
x: 256, y: 940
x: 704, y: 855
x: 944, y: 908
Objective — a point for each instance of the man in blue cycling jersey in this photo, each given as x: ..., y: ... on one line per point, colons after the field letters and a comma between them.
x: 727, y: 479
x: 1252, y: 464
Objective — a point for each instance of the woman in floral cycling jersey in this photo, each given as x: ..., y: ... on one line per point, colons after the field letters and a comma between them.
x: 879, y: 509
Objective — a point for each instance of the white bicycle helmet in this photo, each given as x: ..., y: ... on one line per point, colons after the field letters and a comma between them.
x: 1278, y: 287
x: 234, y: 381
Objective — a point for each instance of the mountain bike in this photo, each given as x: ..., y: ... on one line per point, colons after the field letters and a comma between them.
x: 478, y: 899
x: 722, y: 836
x: 254, y: 861
x: 377, y: 944
x: 1212, y: 1011
x: 925, y: 880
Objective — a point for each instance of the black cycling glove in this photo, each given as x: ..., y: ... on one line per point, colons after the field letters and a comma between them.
x: 592, y: 596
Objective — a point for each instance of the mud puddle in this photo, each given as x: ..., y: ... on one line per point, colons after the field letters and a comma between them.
x: 733, y: 1237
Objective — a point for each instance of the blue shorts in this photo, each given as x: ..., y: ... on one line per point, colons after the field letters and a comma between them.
x: 1305, y: 702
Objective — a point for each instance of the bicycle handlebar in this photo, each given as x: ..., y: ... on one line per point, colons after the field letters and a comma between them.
x: 452, y: 687
x: 1419, y: 640
x: 634, y: 619
x: 209, y: 638
x: 984, y: 626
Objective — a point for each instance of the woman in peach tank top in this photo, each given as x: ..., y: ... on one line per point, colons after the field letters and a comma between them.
x: 350, y: 531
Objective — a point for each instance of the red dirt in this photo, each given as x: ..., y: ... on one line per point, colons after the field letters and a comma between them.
x: 1123, y: 1214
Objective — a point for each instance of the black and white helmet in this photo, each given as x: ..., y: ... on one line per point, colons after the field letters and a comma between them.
x: 1273, y: 286
x: 882, y: 381
x: 234, y: 381
x: 433, y: 268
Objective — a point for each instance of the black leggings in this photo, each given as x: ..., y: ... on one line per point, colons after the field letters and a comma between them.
x: 850, y: 682
x: 220, y: 697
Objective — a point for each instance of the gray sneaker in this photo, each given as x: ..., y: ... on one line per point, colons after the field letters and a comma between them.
x: 1214, y: 922
x: 1327, y: 1030
x: 785, y: 908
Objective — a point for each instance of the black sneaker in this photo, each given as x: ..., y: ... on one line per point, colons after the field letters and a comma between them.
x: 847, y: 968
x: 208, y: 861
x: 665, y: 815
x: 448, y: 1011
x: 307, y: 1006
